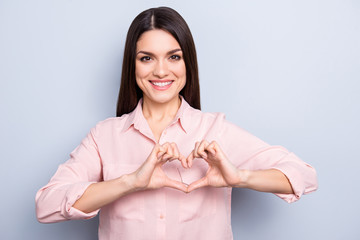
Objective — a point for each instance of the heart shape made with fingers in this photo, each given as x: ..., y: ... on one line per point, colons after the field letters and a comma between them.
x: 200, y: 168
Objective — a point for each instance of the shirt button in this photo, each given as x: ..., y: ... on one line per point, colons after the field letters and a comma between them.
x: 162, y: 216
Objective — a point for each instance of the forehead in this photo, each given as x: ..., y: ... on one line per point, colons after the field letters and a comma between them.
x: 156, y: 40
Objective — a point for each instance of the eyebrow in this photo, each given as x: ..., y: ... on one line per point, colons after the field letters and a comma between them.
x: 151, y: 54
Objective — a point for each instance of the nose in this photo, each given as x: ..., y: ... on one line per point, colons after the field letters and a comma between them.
x: 161, y: 69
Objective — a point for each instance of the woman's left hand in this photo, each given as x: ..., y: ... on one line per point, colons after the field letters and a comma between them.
x: 221, y: 172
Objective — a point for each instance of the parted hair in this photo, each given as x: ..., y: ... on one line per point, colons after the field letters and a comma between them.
x: 169, y: 20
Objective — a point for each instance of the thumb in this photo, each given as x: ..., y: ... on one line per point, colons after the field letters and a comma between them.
x: 155, y: 154
x: 176, y: 184
x: 198, y: 184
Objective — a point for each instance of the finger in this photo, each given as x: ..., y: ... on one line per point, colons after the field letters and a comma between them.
x: 211, y: 148
x: 190, y: 159
x: 160, y: 153
x: 198, y: 184
x: 155, y: 153
x: 196, y: 155
x: 168, y: 152
x: 193, y: 155
x: 146, y: 170
x: 160, y: 150
x: 179, y: 156
x: 218, y: 149
x: 201, y: 149
x: 175, y: 150
x: 176, y: 184
x: 184, y: 162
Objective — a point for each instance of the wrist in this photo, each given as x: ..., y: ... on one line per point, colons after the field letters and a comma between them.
x: 244, y: 177
x: 127, y: 183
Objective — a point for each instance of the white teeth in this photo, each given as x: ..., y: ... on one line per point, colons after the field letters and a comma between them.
x: 161, y: 84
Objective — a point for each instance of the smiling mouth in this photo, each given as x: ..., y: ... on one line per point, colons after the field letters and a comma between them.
x: 161, y: 83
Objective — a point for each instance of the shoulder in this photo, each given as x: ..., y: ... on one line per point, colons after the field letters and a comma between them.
x: 112, y: 122
x: 110, y: 125
x: 198, y: 115
x: 197, y: 119
x: 216, y: 122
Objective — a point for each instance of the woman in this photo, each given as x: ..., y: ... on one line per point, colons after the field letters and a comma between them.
x: 138, y: 166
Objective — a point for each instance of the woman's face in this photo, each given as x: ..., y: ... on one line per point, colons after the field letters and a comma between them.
x: 159, y: 66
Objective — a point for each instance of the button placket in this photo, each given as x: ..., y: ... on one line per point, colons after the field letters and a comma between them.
x: 161, y: 210
x: 162, y: 137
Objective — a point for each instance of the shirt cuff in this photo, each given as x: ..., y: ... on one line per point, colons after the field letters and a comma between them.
x: 295, y: 178
x: 72, y: 195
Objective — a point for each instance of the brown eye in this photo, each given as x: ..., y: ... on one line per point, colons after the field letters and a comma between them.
x: 145, y: 59
x: 175, y: 57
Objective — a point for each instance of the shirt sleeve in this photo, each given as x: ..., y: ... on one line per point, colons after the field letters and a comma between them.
x: 55, y: 200
x: 246, y: 151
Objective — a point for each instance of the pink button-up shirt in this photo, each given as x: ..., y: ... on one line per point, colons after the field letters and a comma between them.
x: 118, y: 146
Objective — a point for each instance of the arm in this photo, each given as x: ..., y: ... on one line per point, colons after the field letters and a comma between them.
x: 149, y: 176
x: 77, y: 192
x: 222, y: 173
x: 270, y: 180
x: 55, y: 200
x: 246, y: 151
x: 100, y: 194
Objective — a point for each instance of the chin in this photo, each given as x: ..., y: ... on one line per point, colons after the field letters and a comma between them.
x: 164, y: 98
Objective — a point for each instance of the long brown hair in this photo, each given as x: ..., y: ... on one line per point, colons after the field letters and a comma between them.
x: 171, y: 21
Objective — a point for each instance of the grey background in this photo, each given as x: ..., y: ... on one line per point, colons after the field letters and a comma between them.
x: 287, y: 71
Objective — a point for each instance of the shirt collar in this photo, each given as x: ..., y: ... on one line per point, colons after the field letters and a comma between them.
x: 137, y: 119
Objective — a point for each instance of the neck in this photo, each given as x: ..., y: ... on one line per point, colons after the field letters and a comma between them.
x: 160, y: 111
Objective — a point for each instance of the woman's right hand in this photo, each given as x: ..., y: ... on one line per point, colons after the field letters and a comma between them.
x: 150, y: 174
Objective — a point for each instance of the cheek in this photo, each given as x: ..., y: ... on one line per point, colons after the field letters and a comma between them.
x: 139, y: 76
x: 138, y: 83
x: 180, y: 70
x: 141, y: 71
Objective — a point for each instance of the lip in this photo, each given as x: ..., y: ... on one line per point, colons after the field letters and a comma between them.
x: 161, y: 88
